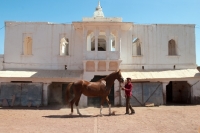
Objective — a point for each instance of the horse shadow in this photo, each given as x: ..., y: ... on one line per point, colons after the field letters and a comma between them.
x: 79, y: 116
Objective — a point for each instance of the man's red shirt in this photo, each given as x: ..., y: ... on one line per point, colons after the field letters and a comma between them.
x: 128, y: 89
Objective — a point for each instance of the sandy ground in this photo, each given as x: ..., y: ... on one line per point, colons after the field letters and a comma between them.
x: 163, y: 119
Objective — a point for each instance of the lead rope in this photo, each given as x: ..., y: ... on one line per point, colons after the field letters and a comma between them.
x: 122, y: 91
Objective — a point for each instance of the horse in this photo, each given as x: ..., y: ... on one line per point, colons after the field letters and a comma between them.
x: 101, y: 88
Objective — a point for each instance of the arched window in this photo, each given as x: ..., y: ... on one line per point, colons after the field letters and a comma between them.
x: 90, y: 41
x: 27, y: 48
x: 92, y: 44
x: 64, y: 46
x: 101, y: 44
x: 102, y: 41
x: 136, y: 47
x: 112, y: 42
x: 172, y: 47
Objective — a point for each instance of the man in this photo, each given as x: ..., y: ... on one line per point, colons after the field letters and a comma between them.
x: 128, y: 94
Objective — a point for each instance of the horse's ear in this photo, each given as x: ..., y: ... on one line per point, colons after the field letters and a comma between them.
x: 119, y: 70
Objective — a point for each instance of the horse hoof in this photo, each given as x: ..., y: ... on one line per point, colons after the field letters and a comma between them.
x: 113, y: 113
x: 71, y: 114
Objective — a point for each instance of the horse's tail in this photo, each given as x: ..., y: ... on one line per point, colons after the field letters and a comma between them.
x: 69, y: 92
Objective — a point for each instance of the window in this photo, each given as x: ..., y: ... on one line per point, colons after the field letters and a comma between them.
x: 136, y: 47
x: 92, y: 45
x: 113, y: 42
x: 64, y: 46
x: 102, y: 41
x: 172, y: 47
x: 90, y: 41
x: 27, y: 46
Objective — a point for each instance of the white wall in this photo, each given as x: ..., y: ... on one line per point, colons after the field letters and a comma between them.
x: 45, y: 47
x: 154, y: 46
x: 195, y: 90
x: 1, y: 62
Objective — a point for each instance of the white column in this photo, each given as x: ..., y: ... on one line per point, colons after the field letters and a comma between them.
x: 117, y: 97
x: 107, y: 44
x: 96, y: 47
x: 107, y: 39
x: 84, y: 66
x: 88, y: 43
x: 164, y: 92
x: 84, y: 43
x: 119, y: 42
x: 45, y: 93
x: 96, y: 39
x: 96, y: 43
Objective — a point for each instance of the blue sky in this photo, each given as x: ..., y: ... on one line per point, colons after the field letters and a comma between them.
x: 136, y: 11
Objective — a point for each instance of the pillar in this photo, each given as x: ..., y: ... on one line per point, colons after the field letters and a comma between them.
x: 107, y: 43
x: 165, y: 92
x: 85, y: 43
x: 96, y: 42
x: 118, y: 40
x: 45, y: 93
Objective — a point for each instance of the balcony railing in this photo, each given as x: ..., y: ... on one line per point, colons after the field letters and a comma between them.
x: 102, y: 55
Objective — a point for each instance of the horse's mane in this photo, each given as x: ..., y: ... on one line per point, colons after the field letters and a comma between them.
x: 109, y: 75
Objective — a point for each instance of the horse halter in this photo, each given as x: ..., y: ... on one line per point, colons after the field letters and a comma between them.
x: 121, y: 80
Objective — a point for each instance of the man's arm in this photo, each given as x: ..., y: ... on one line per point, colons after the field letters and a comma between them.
x: 128, y: 88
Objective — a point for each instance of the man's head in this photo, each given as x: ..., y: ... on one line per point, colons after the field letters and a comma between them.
x: 128, y: 79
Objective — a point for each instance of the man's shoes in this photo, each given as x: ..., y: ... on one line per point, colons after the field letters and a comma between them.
x: 132, y: 113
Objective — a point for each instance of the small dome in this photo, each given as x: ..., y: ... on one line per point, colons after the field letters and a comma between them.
x: 98, y: 12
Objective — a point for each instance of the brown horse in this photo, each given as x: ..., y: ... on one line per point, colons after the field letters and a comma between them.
x: 100, y: 88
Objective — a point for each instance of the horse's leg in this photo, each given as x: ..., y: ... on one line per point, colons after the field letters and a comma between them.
x: 72, y: 105
x: 102, y: 102
x: 75, y: 100
x: 76, y: 103
x: 107, y: 99
x: 72, y: 102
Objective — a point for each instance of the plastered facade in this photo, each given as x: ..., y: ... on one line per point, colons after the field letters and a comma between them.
x: 87, y: 34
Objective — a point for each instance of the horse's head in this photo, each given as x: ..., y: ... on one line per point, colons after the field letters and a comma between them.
x: 119, y: 77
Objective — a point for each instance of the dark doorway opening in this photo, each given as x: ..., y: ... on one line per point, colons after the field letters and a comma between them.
x: 169, y: 92
x: 56, y: 94
x: 95, y: 101
x: 64, y: 88
x: 178, y: 92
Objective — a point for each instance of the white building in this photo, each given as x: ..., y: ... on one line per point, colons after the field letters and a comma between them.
x: 42, y: 58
